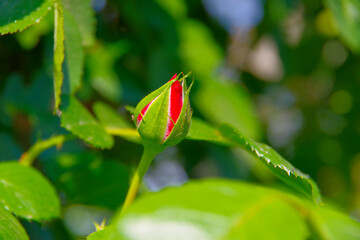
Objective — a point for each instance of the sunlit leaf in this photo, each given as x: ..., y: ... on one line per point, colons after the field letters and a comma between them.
x: 241, y: 209
x: 16, y: 15
x: 10, y: 228
x: 26, y: 193
x: 272, y: 214
x: 202, y: 131
x: 74, y: 53
x: 281, y: 168
x: 78, y: 120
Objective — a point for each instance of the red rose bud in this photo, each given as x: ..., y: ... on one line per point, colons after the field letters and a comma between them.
x: 163, y: 117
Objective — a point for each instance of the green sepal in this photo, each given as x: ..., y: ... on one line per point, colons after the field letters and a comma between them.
x: 153, y: 125
x: 146, y: 100
x: 182, y: 125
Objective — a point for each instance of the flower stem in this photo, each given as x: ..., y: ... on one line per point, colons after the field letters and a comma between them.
x: 27, y: 158
x: 131, y: 134
x: 146, y: 159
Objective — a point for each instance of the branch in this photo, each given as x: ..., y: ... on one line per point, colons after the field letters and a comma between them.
x: 28, y: 158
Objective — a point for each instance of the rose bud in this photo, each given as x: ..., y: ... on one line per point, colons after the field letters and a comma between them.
x: 163, y: 117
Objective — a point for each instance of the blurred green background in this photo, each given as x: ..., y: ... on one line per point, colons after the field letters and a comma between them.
x: 285, y: 72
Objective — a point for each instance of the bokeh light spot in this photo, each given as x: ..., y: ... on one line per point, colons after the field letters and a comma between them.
x: 334, y: 53
x: 341, y: 102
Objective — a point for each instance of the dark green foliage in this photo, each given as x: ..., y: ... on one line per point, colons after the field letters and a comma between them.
x: 275, y: 104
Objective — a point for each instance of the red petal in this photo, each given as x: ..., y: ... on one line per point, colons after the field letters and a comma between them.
x: 173, y: 77
x: 175, y: 106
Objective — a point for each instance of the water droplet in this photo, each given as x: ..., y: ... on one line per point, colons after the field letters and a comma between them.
x: 37, y: 20
x: 15, y: 21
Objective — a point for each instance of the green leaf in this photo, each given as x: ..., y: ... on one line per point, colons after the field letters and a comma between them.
x: 281, y: 168
x: 109, y: 117
x: 272, y: 214
x: 74, y: 53
x: 58, y: 52
x: 16, y: 15
x: 10, y: 228
x: 30, y: 37
x: 202, y: 131
x: 99, y: 235
x: 78, y: 120
x: 26, y: 193
x: 229, y: 103
x: 84, y: 15
x: 347, y: 18
x: 240, y: 210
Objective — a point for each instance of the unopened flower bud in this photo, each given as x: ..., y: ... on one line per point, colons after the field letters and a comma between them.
x: 163, y: 117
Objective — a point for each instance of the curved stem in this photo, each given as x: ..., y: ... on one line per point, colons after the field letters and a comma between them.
x: 28, y: 158
x: 146, y: 159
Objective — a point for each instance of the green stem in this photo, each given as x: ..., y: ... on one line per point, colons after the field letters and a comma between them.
x: 146, y: 159
x: 29, y: 157
x: 130, y: 134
